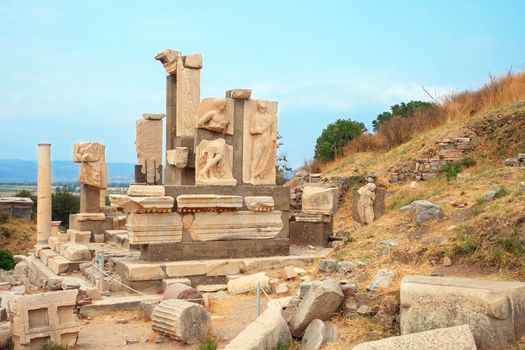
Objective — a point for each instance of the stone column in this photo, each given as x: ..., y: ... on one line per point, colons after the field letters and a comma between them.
x: 43, y: 218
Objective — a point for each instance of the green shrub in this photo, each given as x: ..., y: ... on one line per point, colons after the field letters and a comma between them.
x: 63, y: 204
x: 6, y: 233
x: 502, y: 192
x: 209, y: 344
x: 335, y: 137
x: 467, y: 162
x: 511, y: 245
x: 452, y: 169
x: 53, y: 346
x: 6, y: 259
x: 4, y: 217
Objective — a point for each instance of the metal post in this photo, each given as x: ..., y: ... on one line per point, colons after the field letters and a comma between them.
x: 258, y: 299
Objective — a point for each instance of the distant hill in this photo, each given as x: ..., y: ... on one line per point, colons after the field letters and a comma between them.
x: 25, y: 171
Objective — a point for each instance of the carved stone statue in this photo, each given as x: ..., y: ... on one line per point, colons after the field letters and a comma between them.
x: 365, y: 204
x: 263, y: 140
x: 93, y: 170
x: 215, y: 114
x: 214, y: 163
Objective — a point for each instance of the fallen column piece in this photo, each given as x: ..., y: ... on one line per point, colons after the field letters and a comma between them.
x: 183, y: 292
x: 268, y: 331
x: 452, y: 338
x: 494, y: 310
x: 182, y: 320
x: 321, y: 301
x: 248, y: 283
x: 45, y: 317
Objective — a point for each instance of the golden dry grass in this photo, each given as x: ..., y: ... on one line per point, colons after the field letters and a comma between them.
x: 18, y: 236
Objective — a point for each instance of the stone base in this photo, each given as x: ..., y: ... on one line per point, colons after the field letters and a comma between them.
x: 215, y: 249
x: 96, y: 227
x: 310, y: 233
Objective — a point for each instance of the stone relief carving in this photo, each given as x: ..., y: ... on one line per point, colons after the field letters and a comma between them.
x: 213, y: 163
x: 260, y: 142
x: 216, y: 114
x: 93, y: 170
x: 169, y: 59
x: 148, y: 142
x: 177, y: 157
x: 365, y: 204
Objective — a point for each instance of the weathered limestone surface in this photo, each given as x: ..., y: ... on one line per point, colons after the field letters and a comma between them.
x: 90, y: 217
x: 321, y: 301
x: 177, y: 157
x: 169, y: 59
x: 148, y: 142
x: 58, y: 264
x: 216, y: 114
x: 154, y: 228
x: 142, y: 204
x: 371, y: 203
x: 207, y: 202
x: 88, y: 152
x: 44, y: 317
x: 259, y: 203
x: 146, y: 191
x: 76, y: 236
x: 43, y: 221
x: 77, y: 252
x: 318, y: 199
x: 169, y: 281
x: 239, y: 94
x: 249, y: 283
x: 451, y: 338
x: 182, y: 320
x: 268, y: 331
x: 235, y: 225
x: 93, y: 169
x: 424, y: 211
x: 153, y: 116
x: 259, y: 142
x: 214, y: 163
x: 184, y: 292
x: 494, y: 310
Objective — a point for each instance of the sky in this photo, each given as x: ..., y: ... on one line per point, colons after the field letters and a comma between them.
x: 75, y: 71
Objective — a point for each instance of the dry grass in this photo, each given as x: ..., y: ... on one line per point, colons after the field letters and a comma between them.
x: 18, y: 236
x: 499, y: 91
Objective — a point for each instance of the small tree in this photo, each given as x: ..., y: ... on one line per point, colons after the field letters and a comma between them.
x: 64, y: 203
x: 402, y: 110
x: 7, y: 262
x: 28, y: 194
x: 334, y: 138
x: 281, y: 165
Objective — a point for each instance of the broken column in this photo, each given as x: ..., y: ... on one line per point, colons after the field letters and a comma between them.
x: 182, y: 320
x: 43, y: 219
x: 148, y: 142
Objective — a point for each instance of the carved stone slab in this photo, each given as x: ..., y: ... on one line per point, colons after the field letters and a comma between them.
x: 148, y: 142
x: 177, y: 157
x: 231, y: 225
x: 259, y: 203
x: 146, y: 191
x: 214, y: 163
x: 259, y: 142
x: 207, y: 202
x: 318, y: 199
x: 169, y: 59
x: 88, y: 152
x: 216, y: 114
x: 94, y: 174
x: 142, y: 204
x: 154, y: 228
x: 188, y: 98
x: 239, y: 94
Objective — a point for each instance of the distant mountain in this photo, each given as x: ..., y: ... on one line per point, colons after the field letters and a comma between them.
x: 25, y: 171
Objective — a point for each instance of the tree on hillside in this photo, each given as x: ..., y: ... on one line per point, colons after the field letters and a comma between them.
x: 334, y: 138
x: 63, y: 204
x: 402, y: 110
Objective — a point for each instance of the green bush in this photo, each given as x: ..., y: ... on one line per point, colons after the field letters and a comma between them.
x: 4, y: 217
x: 502, y: 192
x: 335, y: 137
x: 53, y: 346
x: 467, y: 162
x: 452, y: 169
x: 511, y: 245
x: 63, y: 204
x: 209, y: 344
x: 403, y: 110
x: 6, y: 259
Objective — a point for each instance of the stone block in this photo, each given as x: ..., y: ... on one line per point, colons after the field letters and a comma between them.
x: 52, y: 242
x: 259, y: 203
x: 193, y: 61
x: 47, y: 254
x: 214, y: 163
x: 239, y: 94
x: 451, y: 338
x: 223, y: 267
x: 145, y: 204
x: 311, y: 233
x: 77, y: 252
x: 98, y: 238
x: 493, y: 309
x: 63, y: 237
x: 268, y: 331
x: 168, y: 281
x: 185, y: 268
x: 216, y: 115
x: 321, y: 301
x: 183, y: 292
x: 144, y: 272
x: 154, y: 228
x: 90, y: 216
x: 77, y: 236
x: 289, y: 272
x: 233, y: 225
x: 44, y: 317
x: 88, y: 152
x: 182, y: 320
x: 146, y: 190
x: 318, y: 199
x: 153, y: 116
x: 424, y: 211
x: 58, y: 264
x: 148, y: 142
x: 211, y: 288
x: 178, y: 157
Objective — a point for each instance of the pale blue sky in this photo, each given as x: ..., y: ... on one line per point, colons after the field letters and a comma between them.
x: 84, y: 70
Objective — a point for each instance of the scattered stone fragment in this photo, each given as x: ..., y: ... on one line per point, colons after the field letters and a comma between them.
x: 249, y: 283
x: 146, y: 308
x: 381, y: 280
x: 327, y: 265
x: 345, y: 266
x: 452, y: 338
x: 131, y: 340
x: 268, y: 331
x: 413, y: 185
x: 184, y: 292
x: 348, y: 289
x: 365, y: 310
x: 160, y: 339
x: 424, y: 211
x: 489, y: 195
x: 93, y: 293
x: 282, y: 288
x: 289, y: 272
x: 331, y: 333
x: 313, y: 337
x: 167, y: 281
x: 447, y: 261
x: 211, y: 288
x: 182, y: 320
x: 69, y: 283
x: 321, y: 301
x: 389, y: 242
